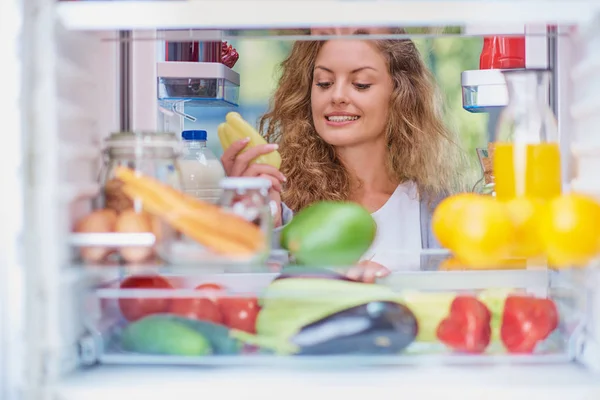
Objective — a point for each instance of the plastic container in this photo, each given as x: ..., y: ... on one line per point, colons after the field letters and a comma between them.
x: 193, y: 51
x: 270, y: 311
x: 201, y: 83
x: 483, y: 90
x: 182, y: 51
x: 201, y: 171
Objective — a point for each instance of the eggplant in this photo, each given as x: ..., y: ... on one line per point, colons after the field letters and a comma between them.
x: 311, y: 273
x: 374, y: 328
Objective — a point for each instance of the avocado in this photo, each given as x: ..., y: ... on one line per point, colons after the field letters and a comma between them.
x: 329, y: 233
x: 156, y: 334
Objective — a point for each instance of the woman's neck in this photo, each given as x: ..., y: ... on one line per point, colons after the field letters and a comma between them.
x: 367, y: 169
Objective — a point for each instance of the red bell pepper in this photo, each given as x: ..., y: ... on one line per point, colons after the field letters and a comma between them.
x: 526, y: 321
x: 467, y: 326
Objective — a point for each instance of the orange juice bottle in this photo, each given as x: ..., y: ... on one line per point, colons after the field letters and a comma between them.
x: 526, y: 150
x: 538, y: 175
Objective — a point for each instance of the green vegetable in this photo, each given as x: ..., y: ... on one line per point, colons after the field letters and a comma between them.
x: 220, y: 337
x: 289, y: 304
x: 494, y: 300
x: 329, y: 233
x: 156, y: 334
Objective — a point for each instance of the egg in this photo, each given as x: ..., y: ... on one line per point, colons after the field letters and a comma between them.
x: 130, y: 221
x: 98, y: 221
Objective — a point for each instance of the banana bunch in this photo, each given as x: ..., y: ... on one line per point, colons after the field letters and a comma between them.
x: 236, y: 128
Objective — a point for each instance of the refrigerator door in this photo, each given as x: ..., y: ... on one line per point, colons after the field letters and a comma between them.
x: 12, y: 310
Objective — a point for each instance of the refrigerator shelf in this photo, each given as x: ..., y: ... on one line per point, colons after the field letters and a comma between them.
x: 129, y: 15
x: 107, y: 320
x: 338, y: 362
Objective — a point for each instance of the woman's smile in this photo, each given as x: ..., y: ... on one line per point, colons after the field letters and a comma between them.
x: 340, y: 119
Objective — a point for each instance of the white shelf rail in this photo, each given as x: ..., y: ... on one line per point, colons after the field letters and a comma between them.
x: 246, y: 14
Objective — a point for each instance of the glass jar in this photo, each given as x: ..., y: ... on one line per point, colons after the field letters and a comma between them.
x: 526, y: 153
x: 150, y: 154
x: 249, y: 199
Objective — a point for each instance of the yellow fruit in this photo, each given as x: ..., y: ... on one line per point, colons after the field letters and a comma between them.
x: 236, y: 128
x: 570, y: 230
x: 484, y: 233
x: 513, y: 263
x: 451, y: 264
x: 443, y: 220
x: 526, y: 214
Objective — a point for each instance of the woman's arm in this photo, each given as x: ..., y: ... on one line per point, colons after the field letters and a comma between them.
x: 286, y: 216
x: 430, y: 262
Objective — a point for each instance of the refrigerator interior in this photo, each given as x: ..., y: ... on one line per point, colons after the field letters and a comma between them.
x: 70, y: 100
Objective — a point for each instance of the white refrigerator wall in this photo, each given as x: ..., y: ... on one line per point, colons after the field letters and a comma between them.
x: 71, y: 83
x: 12, y: 300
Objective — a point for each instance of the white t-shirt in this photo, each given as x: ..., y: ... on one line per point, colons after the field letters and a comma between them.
x: 398, y: 240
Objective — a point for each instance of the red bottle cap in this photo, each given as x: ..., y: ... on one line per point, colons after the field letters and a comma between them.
x: 502, y: 52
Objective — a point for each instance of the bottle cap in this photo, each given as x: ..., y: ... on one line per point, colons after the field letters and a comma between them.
x: 193, y: 135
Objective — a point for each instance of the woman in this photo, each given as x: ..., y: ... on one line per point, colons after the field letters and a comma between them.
x: 358, y: 120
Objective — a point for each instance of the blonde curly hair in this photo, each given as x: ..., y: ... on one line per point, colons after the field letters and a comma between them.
x: 420, y: 147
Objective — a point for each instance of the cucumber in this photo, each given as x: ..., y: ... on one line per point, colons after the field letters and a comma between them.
x: 219, y: 336
x: 155, y: 334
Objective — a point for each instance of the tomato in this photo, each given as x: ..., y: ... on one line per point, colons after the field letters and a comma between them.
x: 202, y: 308
x: 209, y: 287
x: 240, y: 313
x: 197, y: 308
x: 137, y: 308
x: 236, y: 313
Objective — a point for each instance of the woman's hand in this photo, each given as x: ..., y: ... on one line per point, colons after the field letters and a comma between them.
x: 236, y: 164
x: 368, y: 271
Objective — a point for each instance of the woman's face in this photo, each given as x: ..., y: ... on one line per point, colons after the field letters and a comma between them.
x: 350, y: 93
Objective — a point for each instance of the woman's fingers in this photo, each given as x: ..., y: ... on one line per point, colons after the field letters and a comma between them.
x: 275, y: 183
x: 264, y: 169
x: 275, y: 205
x: 243, y: 160
x: 368, y: 272
x: 229, y: 156
x: 355, y: 273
